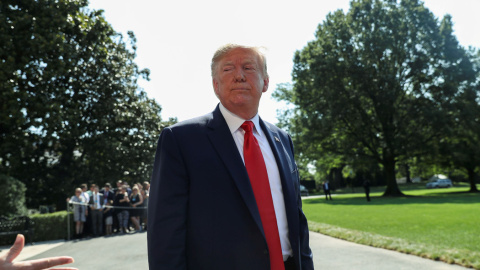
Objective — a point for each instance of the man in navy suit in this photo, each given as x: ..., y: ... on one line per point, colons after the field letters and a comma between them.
x: 202, y: 212
x: 96, y: 211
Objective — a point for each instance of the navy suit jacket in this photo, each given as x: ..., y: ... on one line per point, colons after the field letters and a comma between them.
x: 91, y: 201
x: 202, y: 212
x: 110, y: 196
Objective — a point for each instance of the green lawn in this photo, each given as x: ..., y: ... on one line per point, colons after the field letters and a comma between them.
x: 439, y: 224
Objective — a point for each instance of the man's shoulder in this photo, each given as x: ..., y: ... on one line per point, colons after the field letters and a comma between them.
x: 196, y: 122
x: 275, y: 129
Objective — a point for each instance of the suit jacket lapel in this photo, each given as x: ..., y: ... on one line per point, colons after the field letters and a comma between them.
x: 223, y: 142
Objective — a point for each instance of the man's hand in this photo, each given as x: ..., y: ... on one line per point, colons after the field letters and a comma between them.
x: 6, y: 260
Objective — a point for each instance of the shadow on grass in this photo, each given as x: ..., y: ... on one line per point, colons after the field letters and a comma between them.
x: 456, y: 197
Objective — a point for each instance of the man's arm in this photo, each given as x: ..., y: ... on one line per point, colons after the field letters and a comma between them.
x: 306, y: 255
x: 305, y: 251
x: 167, y: 207
x: 90, y: 202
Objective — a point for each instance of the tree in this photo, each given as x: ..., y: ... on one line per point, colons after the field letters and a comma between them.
x: 71, y: 108
x: 377, y: 83
x: 461, y: 148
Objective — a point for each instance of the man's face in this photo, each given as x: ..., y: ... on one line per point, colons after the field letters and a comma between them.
x: 239, y: 82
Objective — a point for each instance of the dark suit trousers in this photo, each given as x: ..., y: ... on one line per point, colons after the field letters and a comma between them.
x: 97, y: 222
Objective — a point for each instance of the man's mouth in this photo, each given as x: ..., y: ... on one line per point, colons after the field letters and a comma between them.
x: 240, y: 89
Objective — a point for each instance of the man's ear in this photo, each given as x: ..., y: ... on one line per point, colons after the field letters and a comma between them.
x: 265, y: 84
x: 215, y: 86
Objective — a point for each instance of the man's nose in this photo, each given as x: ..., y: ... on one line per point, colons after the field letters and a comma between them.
x: 239, y: 75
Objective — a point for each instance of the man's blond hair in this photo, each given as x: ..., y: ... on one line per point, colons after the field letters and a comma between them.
x: 225, y: 49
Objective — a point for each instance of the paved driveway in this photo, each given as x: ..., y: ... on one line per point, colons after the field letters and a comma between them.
x: 130, y: 252
x: 332, y: 253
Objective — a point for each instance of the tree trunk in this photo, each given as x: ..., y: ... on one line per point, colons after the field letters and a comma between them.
x: 392, y: 186
x: 471, y: 179
x: 337, y: 180
x: 407, y: 170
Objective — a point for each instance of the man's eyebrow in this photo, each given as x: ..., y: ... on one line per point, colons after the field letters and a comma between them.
x: 243, y: 63
x: 226, y: 64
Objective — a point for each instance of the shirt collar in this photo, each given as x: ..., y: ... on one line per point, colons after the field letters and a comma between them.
x: 234, y: 121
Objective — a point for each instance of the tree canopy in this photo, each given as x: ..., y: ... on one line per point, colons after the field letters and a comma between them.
x: 71, y: 108
x: 377, y: 85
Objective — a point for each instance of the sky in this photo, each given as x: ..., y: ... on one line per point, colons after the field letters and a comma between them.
x: 177, y: 39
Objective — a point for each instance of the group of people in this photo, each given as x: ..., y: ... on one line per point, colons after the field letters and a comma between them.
x: 110, y: 210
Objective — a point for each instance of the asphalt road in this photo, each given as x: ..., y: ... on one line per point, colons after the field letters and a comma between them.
x: 129, y: 252
x: 332, y: 253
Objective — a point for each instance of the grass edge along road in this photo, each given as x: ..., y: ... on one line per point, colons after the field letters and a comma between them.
x: 319, y: 212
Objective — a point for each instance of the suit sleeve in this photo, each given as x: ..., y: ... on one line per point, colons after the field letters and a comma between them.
x: 306, y: 255
x: 167, y: 207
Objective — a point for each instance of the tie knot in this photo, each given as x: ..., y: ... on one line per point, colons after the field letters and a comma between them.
x: 247, y: 126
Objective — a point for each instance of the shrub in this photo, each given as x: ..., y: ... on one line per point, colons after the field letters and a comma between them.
x: 52, y: 226
x: 12, y: 196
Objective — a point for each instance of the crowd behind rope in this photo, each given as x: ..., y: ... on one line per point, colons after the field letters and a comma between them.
x: 108, y: 210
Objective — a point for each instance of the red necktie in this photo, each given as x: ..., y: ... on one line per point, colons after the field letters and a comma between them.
x: 257, y: 172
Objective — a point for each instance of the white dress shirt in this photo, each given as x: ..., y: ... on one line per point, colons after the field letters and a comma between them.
x: 96, y: 201
x: 86, y: 196
x: 234, y: 122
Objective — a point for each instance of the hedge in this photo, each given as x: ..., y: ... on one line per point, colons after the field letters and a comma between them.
x: 52, y: 226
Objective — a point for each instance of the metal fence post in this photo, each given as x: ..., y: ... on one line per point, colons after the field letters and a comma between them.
x: 68, y: 221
